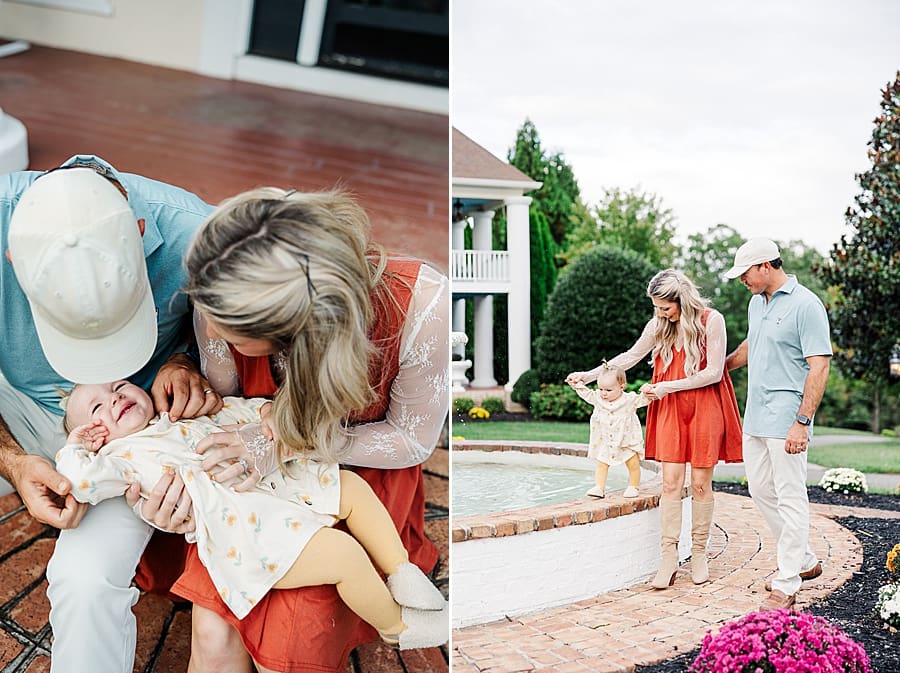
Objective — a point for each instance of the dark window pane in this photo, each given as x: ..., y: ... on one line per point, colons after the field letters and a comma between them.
x: 275, y: 28
x: 401, y: 39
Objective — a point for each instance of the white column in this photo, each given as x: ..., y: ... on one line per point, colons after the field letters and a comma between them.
x: 484, y: 310
x: 517, y: 243
x: 459, y: 323
x: 458, y: 239
x: 481, y: 232
x: 484, y: 343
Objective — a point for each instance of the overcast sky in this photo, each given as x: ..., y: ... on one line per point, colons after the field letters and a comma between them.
x: 754, y: 114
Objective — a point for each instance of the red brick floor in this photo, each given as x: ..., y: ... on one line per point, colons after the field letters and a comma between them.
x: 164, y: 628
x: 615, y: 632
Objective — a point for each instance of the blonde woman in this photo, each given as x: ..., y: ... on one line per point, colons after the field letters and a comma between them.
x: 295, y: 301
x: 693, y: 415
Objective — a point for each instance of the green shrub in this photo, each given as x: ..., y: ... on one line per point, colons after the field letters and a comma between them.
x: 461, y: 405
x: 494, y: 405
x: 559, y: 402
x: 889, y: 432
x: 527, y: 384
x: 597, y: 310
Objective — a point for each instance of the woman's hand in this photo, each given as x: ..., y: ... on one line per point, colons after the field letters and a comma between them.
x: 650, y: 392
x: 168, y: 507
x: 575, y: 378
x: 225, y: 458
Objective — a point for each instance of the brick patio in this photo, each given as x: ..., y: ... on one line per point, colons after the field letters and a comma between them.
x: 615, y: 632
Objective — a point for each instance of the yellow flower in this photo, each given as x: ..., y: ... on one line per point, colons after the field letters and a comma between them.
x: 479, y: 413
x: 232, y: 553
x: 458, y: 438
x: 230, y: 519
x: 84, y: 485
x: 252, y: 519
x: 893, y: 559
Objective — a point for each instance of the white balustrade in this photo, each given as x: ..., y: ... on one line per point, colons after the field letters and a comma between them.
x: 480, y: 266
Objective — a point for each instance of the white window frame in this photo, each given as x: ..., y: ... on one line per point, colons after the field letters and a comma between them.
x: 100, y: 7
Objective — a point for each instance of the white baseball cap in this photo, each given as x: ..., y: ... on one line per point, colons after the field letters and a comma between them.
x: 76, y: 250
x: 755, y: 251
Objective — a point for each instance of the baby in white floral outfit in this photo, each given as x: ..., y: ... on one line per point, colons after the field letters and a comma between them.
x: 278, y: 535
x: 616, y: 435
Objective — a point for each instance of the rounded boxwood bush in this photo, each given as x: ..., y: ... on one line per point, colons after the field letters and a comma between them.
x: 559, y: 403
x: 526, y: 384
x: 597, y: 311
x: 494, y: 405
x: 461, y: 405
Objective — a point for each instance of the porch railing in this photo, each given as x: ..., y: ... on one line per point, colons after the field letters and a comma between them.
x: 480, y: 265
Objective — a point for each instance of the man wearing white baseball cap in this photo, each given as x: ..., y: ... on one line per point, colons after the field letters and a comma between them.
x: 90, y: 292
x: 788, y: 354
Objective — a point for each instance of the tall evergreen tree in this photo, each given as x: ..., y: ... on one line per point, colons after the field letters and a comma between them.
x: 864, y: 267
x: 550, y: 210
x: 559, y: 191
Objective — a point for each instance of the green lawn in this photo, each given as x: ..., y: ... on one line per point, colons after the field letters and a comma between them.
x: 883, y: 457
x: 537, y: 431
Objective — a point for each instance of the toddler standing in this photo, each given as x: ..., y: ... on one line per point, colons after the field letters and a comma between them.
x: 616, y: 436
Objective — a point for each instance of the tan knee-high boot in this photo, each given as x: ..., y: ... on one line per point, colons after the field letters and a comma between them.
x: 701, y: 520
x: 670, y: 527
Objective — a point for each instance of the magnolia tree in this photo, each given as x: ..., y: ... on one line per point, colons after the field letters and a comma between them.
x: 864, y: 267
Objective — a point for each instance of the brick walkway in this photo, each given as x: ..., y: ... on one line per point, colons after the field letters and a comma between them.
x: 615, y: 632
x: 163, y: 627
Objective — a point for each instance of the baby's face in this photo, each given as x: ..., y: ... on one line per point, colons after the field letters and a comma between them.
x: 609, y: 388
x: 122, y: 407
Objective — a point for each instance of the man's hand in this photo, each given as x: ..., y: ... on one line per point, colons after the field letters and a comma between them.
x: 182, y: 391
x: 45, y: 492
x: 797, y: 438
x: 168, y: 507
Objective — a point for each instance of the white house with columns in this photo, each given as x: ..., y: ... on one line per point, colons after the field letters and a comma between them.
x: 482, y: 184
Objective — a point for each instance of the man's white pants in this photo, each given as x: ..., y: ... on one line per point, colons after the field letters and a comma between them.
x: 777, y: 481
x: 90, y: 573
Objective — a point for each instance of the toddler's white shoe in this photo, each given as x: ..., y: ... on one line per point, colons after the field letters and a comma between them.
x: 411, y: 588
x: 631, y: 492
x: 424, y: 628
x: 597, y: 492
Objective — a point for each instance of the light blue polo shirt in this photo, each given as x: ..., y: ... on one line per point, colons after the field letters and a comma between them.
x: 782, y: 333
x: 171, y: 217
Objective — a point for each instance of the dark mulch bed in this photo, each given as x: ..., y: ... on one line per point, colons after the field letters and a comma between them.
x: 851, y: 607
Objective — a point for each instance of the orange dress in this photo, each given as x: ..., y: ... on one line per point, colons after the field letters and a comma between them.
x: 310, y: 629
x: 700, y: 426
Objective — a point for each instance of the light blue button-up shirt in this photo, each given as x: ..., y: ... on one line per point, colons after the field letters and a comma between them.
x: 171, y: 217
x: 782, y: 333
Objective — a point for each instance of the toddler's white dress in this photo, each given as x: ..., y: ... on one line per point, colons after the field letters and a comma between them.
x: 615, y: 428
x: 246, y: 540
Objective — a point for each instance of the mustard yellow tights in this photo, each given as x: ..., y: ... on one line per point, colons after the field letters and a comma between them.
x: 634, y: 472
x: 334, y: 557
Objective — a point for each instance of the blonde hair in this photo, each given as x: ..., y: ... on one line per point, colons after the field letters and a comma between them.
x: 613, y: 370
x: 298, y: 270
x: 672, y: 285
